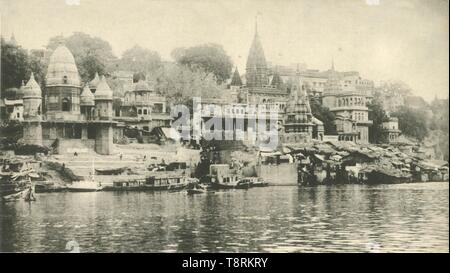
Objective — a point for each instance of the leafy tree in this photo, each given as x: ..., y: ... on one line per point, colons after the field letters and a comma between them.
x: 412, y: 122
x: 208, y: 58
x: 323, y: 114
x: 378, y: 116
x: 92, y: 54
x: 140, y: 60
x: 395, y: 87
x: 38, y: 65
x: 14, y: 65
x: 440, y: 120
x: 180, y: 84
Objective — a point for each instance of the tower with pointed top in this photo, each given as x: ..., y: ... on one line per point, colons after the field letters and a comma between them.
x: 32, y: 101
x: 256, y: 69
x: 63, y: 86
x: 332, y: 87
x: 236, y: 80
x: 104, y: 118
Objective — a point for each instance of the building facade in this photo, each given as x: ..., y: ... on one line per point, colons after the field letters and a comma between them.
x: 390, y: 130
x: 349, y: 105
x: 66, y: 115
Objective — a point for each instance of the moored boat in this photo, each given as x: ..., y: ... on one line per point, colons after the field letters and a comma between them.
x: 195, y: 191
x: 87, y: 185
x: 84, y: 186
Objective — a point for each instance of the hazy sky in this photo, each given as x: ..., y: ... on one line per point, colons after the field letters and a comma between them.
x: 399, y: 39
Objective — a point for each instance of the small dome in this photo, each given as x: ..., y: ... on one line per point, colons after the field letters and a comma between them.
x: 141, y: 85
x: 103, y: 91
x: 62, y: 69
x: 93, y: 84
x: 32, y: 88
x: 86, y: 97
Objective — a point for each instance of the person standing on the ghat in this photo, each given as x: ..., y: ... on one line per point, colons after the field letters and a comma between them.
x: 120, y: 156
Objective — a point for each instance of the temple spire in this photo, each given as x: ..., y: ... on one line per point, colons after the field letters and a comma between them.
x: 256, y: 69
x: 236, y: 79
x: 256, y: 25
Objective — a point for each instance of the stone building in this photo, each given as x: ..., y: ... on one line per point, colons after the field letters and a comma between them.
x: 390, y: 130
x: 143, y: 108
x: 11, y: 105
x: 64, y: 115
x: 350, y: 105
x: 258, y: 88
x: 270, y: 92
x: 299, y: 123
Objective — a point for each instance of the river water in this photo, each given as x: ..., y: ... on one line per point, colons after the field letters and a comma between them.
x: 348, y: 218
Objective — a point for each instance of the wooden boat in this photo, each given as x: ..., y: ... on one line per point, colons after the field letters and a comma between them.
x: 14, y: 196
x: 176, y: 187
x: 46, y: 186
x: 110, y: 171
x: 87, y: 185
x: 243, y: 184
x: 224, y: 186
x: 84, y: 186
x: 258, y: 182
x: 199, y: 188
x: 195, y: 191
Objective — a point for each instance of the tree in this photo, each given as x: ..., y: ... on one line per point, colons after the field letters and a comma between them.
x: 323, y: 114
x: 208, y: 58
x: 440, y: 120
x: 37, y: 65
x: 378, y: 116
x: 92, y: 54
x: 140, y: 60
x: 412, y: 122
x: 180, y: 84
x: 14, y: 65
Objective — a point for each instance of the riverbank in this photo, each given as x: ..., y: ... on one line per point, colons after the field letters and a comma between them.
x: 313, y: 163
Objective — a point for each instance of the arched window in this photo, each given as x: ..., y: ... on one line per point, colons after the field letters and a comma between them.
x: 140, y: 112
x: 66, y: 104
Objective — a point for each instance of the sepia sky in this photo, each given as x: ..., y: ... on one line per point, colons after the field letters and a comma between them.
x: 406, y: 40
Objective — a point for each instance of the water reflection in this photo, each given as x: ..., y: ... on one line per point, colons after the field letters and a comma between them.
x: 348, y: 218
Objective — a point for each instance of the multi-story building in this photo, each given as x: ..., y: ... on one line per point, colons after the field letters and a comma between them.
x: 265, y: 92
x: 350, y: 106
x: 390, y: 130
x: 12, y: 105
x: 64, y: 114
x: 143, y: 108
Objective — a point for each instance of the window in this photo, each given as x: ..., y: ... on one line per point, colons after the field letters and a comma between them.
x: 140, y: 112
x: 66, y: 105
x: 65, y: 79
x: 145, y: 111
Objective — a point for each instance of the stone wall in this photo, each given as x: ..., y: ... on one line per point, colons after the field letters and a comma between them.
x: 280, y: 175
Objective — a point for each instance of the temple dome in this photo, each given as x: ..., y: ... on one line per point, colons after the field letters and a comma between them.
x: 32, y: 88
x: 86, y: 97
x: 62, y: 69
x: 103, y: 91
x: 93, y: 84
